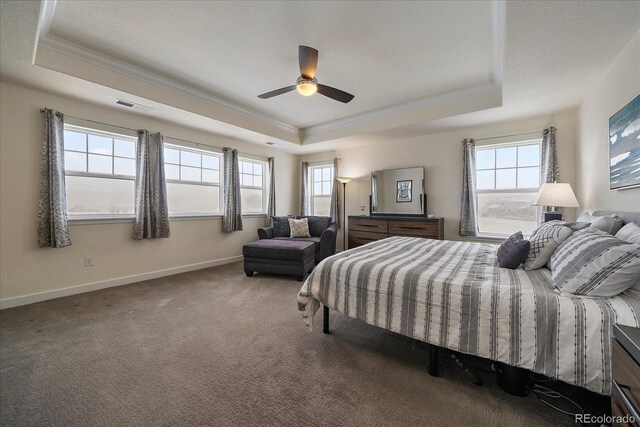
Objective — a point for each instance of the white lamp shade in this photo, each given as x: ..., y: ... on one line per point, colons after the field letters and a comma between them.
x: 557, y: 194
x: 344, y: 179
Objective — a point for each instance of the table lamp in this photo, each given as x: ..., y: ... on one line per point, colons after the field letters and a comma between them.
x: 555, y: 195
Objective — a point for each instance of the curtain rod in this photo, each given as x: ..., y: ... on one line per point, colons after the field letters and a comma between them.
x: 197, y: 144
x: 506, y: 136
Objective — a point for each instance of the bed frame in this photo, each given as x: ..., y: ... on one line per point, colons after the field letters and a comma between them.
x: 432, y: 367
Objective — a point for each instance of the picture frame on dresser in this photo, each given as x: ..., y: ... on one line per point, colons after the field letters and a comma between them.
x: 403, y: 194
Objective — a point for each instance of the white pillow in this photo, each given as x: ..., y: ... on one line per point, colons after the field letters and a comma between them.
x: 629, y: 233
x: 592, y: 262
x: 544, y: 241
x: 299, y: 227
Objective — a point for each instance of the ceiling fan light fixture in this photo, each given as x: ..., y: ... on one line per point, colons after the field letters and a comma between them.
x: 306, y: 87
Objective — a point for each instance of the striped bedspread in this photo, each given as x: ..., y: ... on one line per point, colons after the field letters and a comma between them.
x: 454, y: 295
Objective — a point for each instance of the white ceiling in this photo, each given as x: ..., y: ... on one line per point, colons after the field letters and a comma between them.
x: 385, y: 53
x: 427, y: 66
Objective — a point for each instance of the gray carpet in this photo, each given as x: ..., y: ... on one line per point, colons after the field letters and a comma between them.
x: 214, y: 347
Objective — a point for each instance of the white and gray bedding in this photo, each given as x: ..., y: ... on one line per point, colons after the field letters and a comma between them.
x: 454, y: 295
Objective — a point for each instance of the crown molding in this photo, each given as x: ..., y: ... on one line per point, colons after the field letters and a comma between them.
x: 73, y: 50
x: 301, y: 136
x: 396, y: 110
x: 497, y: 33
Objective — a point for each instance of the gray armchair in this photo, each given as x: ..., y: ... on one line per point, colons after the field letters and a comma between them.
x: 323, y: 234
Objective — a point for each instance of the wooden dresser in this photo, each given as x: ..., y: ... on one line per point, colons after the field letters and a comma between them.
x: 625, y: 393
x: 365, y: 229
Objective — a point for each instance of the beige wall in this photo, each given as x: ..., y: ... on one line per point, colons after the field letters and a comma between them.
x: 25, y: 269
x: 619, y: 85
x: 441, y: 155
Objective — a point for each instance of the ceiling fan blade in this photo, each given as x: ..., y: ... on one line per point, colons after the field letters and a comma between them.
x: 277, y: 92
x: 308, y: 60
x: 333, y: 93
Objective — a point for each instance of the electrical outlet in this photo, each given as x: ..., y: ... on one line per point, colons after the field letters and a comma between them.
x: 88, y: 261
x: 362, y: 208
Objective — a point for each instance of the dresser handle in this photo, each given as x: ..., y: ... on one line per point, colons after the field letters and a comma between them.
x: 411, y: 228
x: 626, y: 401
x: 366, y: 225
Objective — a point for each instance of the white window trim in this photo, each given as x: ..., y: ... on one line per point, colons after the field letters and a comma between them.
x: 311, y: 182
x: 198, y: 150
x: 495, y: 237
x: 253, y: 187
x: 81, y: 128
x: 111, y: 131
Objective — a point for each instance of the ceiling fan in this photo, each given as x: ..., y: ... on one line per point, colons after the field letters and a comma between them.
x: 307, y: 84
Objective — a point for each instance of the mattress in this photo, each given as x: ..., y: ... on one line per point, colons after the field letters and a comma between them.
x: 454, y: 295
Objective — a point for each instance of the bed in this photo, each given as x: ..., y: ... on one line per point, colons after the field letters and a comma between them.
x: 454, y: 295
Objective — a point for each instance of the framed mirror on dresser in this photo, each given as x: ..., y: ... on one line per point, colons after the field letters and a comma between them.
x: 397, y: 207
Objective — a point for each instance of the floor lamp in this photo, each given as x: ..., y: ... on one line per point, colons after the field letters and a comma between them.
x: 344, y: 181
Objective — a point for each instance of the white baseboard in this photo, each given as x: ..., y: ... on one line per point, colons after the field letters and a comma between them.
x: 88, y: 287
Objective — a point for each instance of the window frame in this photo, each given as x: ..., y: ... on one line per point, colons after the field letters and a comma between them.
x: 114, y: 132
x: 529, y: 190
x: 220, y: 184
x: 263, y: 188
x: 106, y: 134
x: 313, y: 196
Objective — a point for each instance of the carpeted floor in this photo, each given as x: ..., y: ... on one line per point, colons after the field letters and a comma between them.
x: 214, y: 347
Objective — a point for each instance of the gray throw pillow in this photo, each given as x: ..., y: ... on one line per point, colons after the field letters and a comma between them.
x: 575, y: 226
x: 281, y: 226
x: 513, y: 251
x: 609, y: 224
x: 595, y: 263
x: 544, y: 241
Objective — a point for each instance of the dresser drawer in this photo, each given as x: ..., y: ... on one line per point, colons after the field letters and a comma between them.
x: 359, y: 238
x: 365, y: 224
x: 626, y: 372
x: 429, y: 230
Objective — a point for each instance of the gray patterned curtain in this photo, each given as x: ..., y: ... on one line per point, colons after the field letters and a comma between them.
x: 232, y: 218
x: 334, y: 211
x: 469, y: 204
x: 304, y: 196
x: 52, y: 203
x: 271, y: 205
x: 549, y: 172
x: 152, y: 213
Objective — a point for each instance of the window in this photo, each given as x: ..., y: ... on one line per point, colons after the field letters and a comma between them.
x: 507, y: 179
x: 321, y: 185
x: 193, y: 181
x: 100, y: 172
x: 252, y: 186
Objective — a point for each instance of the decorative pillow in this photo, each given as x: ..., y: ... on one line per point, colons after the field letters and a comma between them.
x: 609, y: 224
x: 299, y: 227
x: 281, y: 226
x: 629, y: 233
x: 513, y: 251
x: 592, y: 262
x: 575, y: 226
x: 544, y: 241
x: 317, y: 224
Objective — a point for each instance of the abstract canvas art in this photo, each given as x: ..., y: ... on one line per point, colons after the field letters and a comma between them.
x: 624, y: 147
